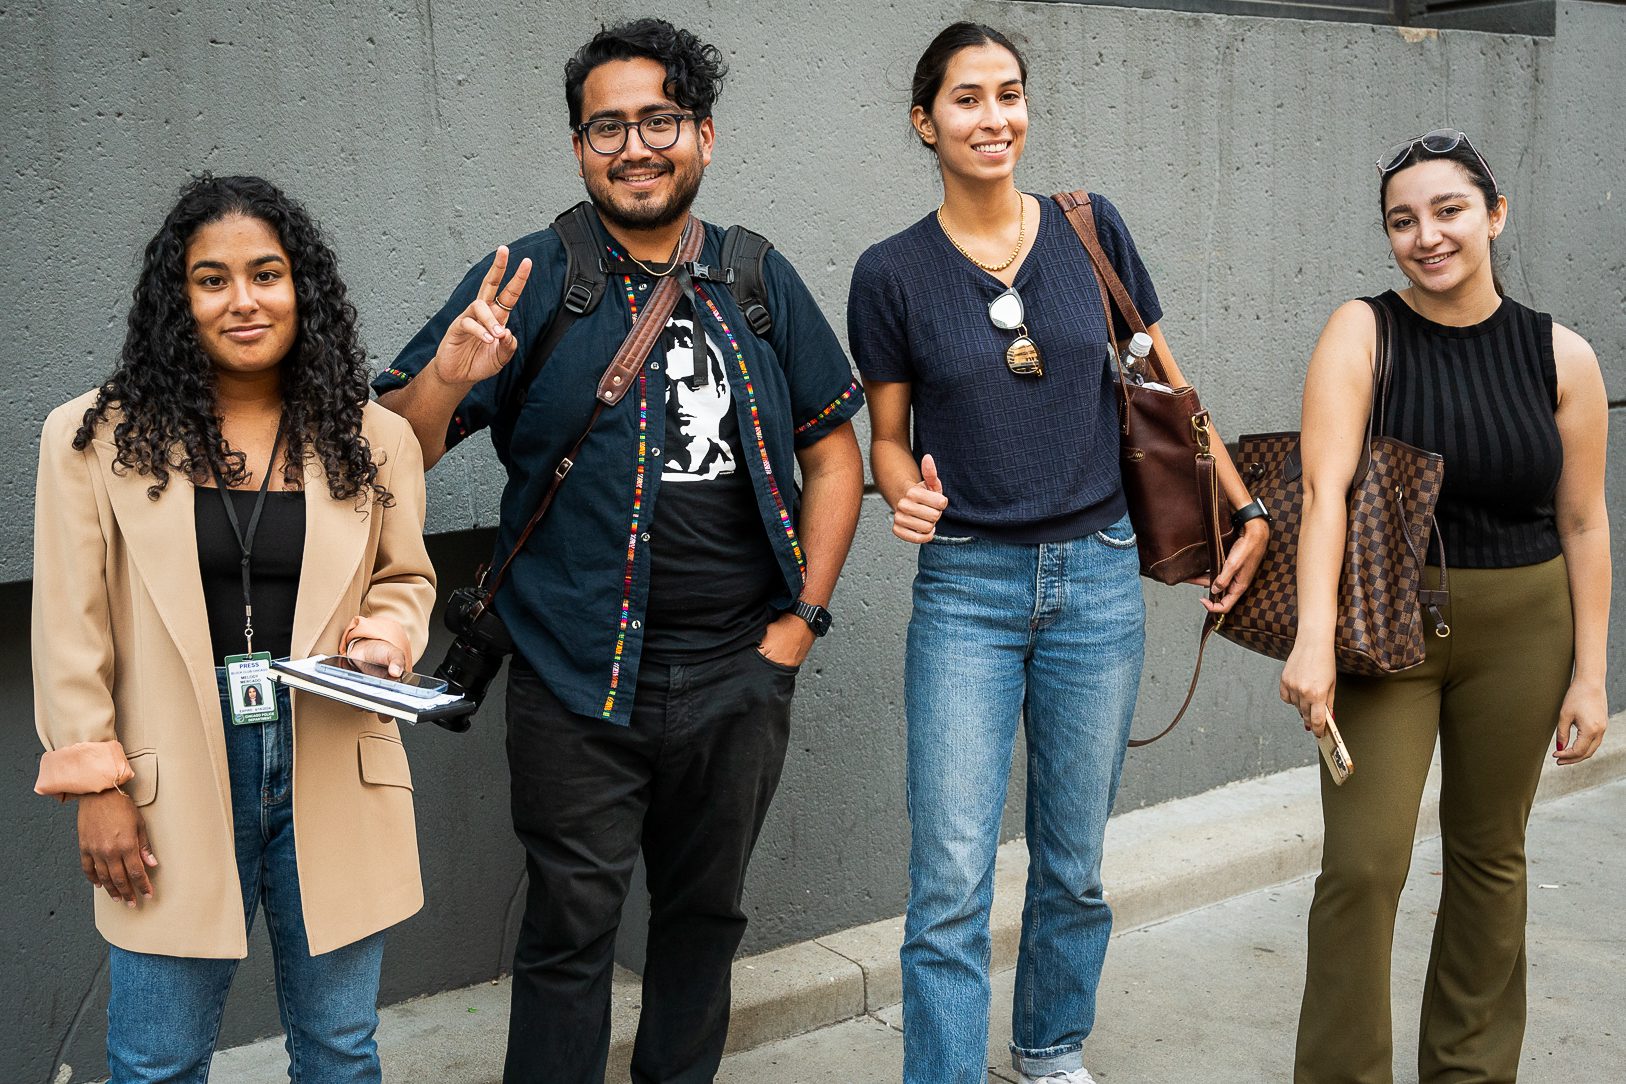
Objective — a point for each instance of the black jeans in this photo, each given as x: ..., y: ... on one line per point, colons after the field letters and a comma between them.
x: 690, y: 781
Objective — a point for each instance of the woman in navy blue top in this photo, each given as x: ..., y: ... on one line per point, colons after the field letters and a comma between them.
x: 1027, y: 602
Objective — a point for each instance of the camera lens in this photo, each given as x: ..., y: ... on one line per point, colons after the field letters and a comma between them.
x: 470, y: 669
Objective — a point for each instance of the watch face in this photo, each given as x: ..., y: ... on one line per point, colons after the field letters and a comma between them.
x: 817, y: 617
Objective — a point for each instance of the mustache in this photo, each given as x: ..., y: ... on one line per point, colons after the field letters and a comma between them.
x: 624, y: 168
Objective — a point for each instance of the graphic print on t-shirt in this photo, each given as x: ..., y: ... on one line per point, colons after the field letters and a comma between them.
x: 697, y: 402
x: 712, y: 568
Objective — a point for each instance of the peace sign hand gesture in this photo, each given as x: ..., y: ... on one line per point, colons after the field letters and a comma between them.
x: 479, y: 344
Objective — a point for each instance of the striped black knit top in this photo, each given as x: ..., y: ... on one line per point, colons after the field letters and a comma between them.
x: 1484, y: 397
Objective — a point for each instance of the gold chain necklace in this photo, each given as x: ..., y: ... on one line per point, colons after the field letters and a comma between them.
x: 1021, y: 235
x: 671, y: 262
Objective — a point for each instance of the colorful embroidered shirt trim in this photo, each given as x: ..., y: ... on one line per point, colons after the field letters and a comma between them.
x: 637, y: 514
x: 852, y: 390
x: 756, y: 429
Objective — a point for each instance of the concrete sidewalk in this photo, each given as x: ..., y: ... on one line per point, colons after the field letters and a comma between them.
x: 1170, y: 1000
x: 1211, y: 997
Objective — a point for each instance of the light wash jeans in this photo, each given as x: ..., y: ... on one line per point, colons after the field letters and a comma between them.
x: 163, y: 1014
x: 1051, y: 634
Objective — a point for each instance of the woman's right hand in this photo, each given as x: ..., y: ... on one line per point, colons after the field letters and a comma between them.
x: 1308, y: 681
x: 915, y: 518
x: 113, y: 848
x: 478, y: 343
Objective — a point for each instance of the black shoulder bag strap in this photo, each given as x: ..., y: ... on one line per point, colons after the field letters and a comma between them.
x: 587, y: 274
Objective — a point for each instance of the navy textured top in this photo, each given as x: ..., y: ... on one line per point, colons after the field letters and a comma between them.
x: 1484, y: 397
x: 1022, y: 458
x: 575, y: 598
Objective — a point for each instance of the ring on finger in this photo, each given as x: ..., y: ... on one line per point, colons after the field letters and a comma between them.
x: 501, y: 304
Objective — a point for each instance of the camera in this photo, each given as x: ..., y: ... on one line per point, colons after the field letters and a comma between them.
x: 477, y: 653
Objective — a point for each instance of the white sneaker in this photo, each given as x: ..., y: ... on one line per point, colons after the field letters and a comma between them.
x: 1077, y: 1076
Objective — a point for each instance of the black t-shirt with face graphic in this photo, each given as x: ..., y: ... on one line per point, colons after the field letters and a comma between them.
x: 711, y: 567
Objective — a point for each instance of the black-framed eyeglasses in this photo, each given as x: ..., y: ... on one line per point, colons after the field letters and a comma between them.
x: 1439, y: 141
x: 658, y: 132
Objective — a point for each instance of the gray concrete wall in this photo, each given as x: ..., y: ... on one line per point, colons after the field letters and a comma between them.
x: 1238, y: 149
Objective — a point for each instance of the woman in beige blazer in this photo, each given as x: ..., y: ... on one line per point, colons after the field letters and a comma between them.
x: 236, y: 420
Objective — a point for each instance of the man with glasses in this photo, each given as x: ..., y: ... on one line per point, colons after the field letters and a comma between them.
x: 662, y: 606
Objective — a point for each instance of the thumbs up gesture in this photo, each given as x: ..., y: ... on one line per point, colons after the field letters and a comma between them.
x: 916, y: 515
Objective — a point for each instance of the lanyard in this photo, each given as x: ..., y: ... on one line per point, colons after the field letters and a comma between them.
x: 245, y: 542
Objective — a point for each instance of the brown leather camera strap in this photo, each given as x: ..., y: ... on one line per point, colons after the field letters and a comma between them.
x: 618, y: 378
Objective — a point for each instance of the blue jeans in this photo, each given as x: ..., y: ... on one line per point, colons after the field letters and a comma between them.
x: 163, y: 1015
x: 1051, y: 634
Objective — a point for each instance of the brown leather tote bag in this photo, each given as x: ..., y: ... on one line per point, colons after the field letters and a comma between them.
x: 1182, y: 520
x: 1381, y: 592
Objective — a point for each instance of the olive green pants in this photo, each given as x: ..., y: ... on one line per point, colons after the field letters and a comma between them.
x: 1490, y: 692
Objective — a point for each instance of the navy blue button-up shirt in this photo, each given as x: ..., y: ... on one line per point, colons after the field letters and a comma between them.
x: 574, y: 599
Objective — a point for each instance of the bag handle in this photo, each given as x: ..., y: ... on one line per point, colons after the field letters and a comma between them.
x: 1081, y: 216
x: 1210, y: 623
x: 1382, y: 372
x: 614, y: 384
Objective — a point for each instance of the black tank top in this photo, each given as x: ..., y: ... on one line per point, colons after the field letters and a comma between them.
x: 1484, y: 397
x: 279, y: 552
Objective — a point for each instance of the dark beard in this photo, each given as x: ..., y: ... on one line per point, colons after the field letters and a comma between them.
x: 650, y: 216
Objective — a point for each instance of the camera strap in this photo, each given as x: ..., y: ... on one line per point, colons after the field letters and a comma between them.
x: 616, y: 382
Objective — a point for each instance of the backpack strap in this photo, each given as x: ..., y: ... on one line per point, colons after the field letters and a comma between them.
x: 743, y: 253
x: 587, y: 274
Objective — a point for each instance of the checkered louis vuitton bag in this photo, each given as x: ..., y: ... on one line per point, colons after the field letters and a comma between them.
x: 1381, y: 592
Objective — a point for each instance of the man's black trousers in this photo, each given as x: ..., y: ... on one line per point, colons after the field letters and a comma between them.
x: 690, y: 781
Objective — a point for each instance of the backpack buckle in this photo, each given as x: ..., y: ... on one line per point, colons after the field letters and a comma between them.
x: 758, y: 319
x: 705, y: 272
x: 577, y: 297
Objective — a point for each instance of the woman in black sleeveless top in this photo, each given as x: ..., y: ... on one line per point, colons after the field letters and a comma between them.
x: 1516, y: 405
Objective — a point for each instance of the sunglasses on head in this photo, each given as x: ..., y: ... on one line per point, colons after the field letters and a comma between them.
x: 1439, y: 141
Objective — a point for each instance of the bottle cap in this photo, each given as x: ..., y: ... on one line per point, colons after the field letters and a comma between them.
x: 1140, y: 345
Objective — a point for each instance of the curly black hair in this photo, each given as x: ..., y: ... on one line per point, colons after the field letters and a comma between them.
x: 694, y: 70
x: 164, y: 386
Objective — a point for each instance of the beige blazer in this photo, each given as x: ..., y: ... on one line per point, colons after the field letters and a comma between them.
x: 122, y: 655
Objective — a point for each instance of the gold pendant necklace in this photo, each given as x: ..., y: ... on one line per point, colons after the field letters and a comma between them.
x: 1021, y: 235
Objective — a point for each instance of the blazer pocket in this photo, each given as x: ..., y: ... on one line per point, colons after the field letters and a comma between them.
x: 384, y: 761
x: 143, y: 788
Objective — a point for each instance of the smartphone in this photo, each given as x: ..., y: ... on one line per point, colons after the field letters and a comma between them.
x: 1335, y: 752
x: 421, y: 685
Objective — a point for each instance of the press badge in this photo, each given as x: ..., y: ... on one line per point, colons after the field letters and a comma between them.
x: 253, y: 694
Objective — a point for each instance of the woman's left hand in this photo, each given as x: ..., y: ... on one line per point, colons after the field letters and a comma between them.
x: 1582, y: 720
x: 380, y: 653
x: 1240, y: 565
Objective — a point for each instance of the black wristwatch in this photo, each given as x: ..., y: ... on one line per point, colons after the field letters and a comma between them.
x: 1254, y: 509
x: 817, y: 617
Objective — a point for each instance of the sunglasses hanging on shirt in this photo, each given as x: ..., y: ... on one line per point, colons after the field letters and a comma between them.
x: 1022, y: 356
